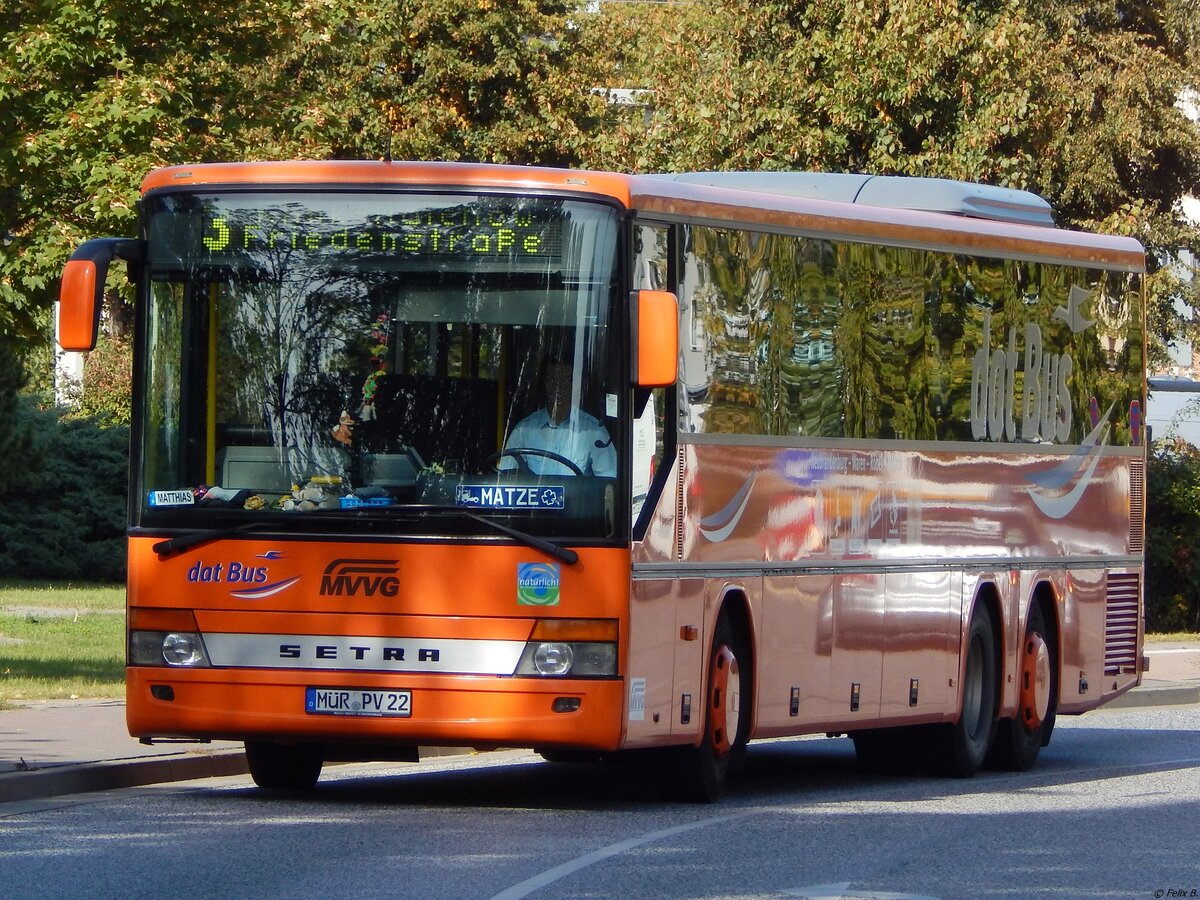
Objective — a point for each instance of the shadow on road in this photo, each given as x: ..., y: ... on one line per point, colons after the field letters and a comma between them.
x: 808, y: 770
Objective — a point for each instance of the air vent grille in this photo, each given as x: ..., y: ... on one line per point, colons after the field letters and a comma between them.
x: 1122, y: 610
x: 679, y: 507
x: 1137, y: 506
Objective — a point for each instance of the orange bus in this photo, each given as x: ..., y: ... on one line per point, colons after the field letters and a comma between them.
x: 632, y: 467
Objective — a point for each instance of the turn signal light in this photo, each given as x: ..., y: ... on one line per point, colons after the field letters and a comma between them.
x: 599, y: 630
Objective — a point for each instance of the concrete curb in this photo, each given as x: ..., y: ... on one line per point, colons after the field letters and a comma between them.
x: 1151, y: 693
x: 108, y: 775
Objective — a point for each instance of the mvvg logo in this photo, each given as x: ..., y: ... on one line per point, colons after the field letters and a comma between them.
x: 351, y: 577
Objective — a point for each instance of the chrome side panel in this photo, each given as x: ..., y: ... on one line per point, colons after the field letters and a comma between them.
x: 870, y: 557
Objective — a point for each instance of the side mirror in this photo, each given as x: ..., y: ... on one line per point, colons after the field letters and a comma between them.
x: 81, y: 293
x: 655, y: 317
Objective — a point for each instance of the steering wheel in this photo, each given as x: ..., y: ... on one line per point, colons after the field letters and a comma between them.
x: 520, y: 453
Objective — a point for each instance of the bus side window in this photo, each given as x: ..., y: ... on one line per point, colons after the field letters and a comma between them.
x: 649, y: 440
x: 648, y: 447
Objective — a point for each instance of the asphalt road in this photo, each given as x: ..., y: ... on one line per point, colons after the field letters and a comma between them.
x: 1111, y: 810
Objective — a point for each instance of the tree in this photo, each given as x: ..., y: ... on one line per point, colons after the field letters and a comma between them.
x: 478, y: 80
x: 91, y: 96
x: 1076, y: 101
x: 105, y: 394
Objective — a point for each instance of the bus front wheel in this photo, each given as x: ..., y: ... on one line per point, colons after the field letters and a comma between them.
x: 280, y: 767
x: 700, y: 772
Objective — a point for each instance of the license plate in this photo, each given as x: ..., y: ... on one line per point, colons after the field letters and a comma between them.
x: 357, y: 702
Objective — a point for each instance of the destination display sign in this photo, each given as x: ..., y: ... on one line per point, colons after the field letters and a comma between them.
x: 219, y: 232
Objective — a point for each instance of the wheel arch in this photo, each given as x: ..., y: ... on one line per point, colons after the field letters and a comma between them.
x: 987, y: 598
x: 1045, y: 596
x: 736, y: 605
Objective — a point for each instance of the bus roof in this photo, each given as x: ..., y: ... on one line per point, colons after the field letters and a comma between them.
x: 963, y: 198
x: 926, y: 213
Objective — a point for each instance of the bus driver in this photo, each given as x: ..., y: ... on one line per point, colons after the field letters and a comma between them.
x: 563, y: 429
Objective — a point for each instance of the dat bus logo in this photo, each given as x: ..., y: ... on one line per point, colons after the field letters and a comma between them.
x: 231, y: 573
x: 1045, y: 397
x: 369, y: 577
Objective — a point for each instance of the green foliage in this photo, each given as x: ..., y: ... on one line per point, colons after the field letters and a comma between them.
x: 15, y: 438
x: 1075, y: 101
x: 64, y: 510
x: 92, y: 95
x: 105, y: 395
x: 481, y: 80
x: 1172, y: 551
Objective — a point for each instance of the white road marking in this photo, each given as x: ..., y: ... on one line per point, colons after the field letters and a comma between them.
x: 537, y: 882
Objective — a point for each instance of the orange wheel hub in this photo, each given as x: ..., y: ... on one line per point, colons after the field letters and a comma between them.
x: 723, y: 691
x: 1035, y: 682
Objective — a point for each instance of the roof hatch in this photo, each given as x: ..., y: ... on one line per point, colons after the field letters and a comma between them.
x: 942, y: 195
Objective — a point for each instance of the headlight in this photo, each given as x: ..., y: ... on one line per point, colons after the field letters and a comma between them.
x: 166, y: 648
x: 555, y: 659
x: 182, y: 649
x: 575, y: 648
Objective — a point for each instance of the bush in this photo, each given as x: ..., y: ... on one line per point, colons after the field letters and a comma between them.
x: 15, y: 439
x: 63, y: 503
x: 104, y: 395
x: 1172, y: 536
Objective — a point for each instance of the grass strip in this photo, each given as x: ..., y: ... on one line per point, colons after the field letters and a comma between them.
x: 61, y: 641
x: 60, y: 595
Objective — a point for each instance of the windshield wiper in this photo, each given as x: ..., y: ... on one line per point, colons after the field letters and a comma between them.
x: 563, y: 554
x: 172, y: 546
x: 175, y: 545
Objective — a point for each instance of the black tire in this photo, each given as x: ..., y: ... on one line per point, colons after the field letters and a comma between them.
x: 1017, y: 742
x: 276, y: 767
x: 700, y: 773
x: 959, y: 749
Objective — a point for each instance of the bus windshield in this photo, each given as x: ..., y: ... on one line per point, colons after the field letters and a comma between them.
x: 347, y: 359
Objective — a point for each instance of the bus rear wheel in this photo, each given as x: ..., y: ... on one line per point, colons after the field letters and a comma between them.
x: 1019, y: 739
x: 700, y: 772
x: 280, y: 767
x: 958, y: 749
